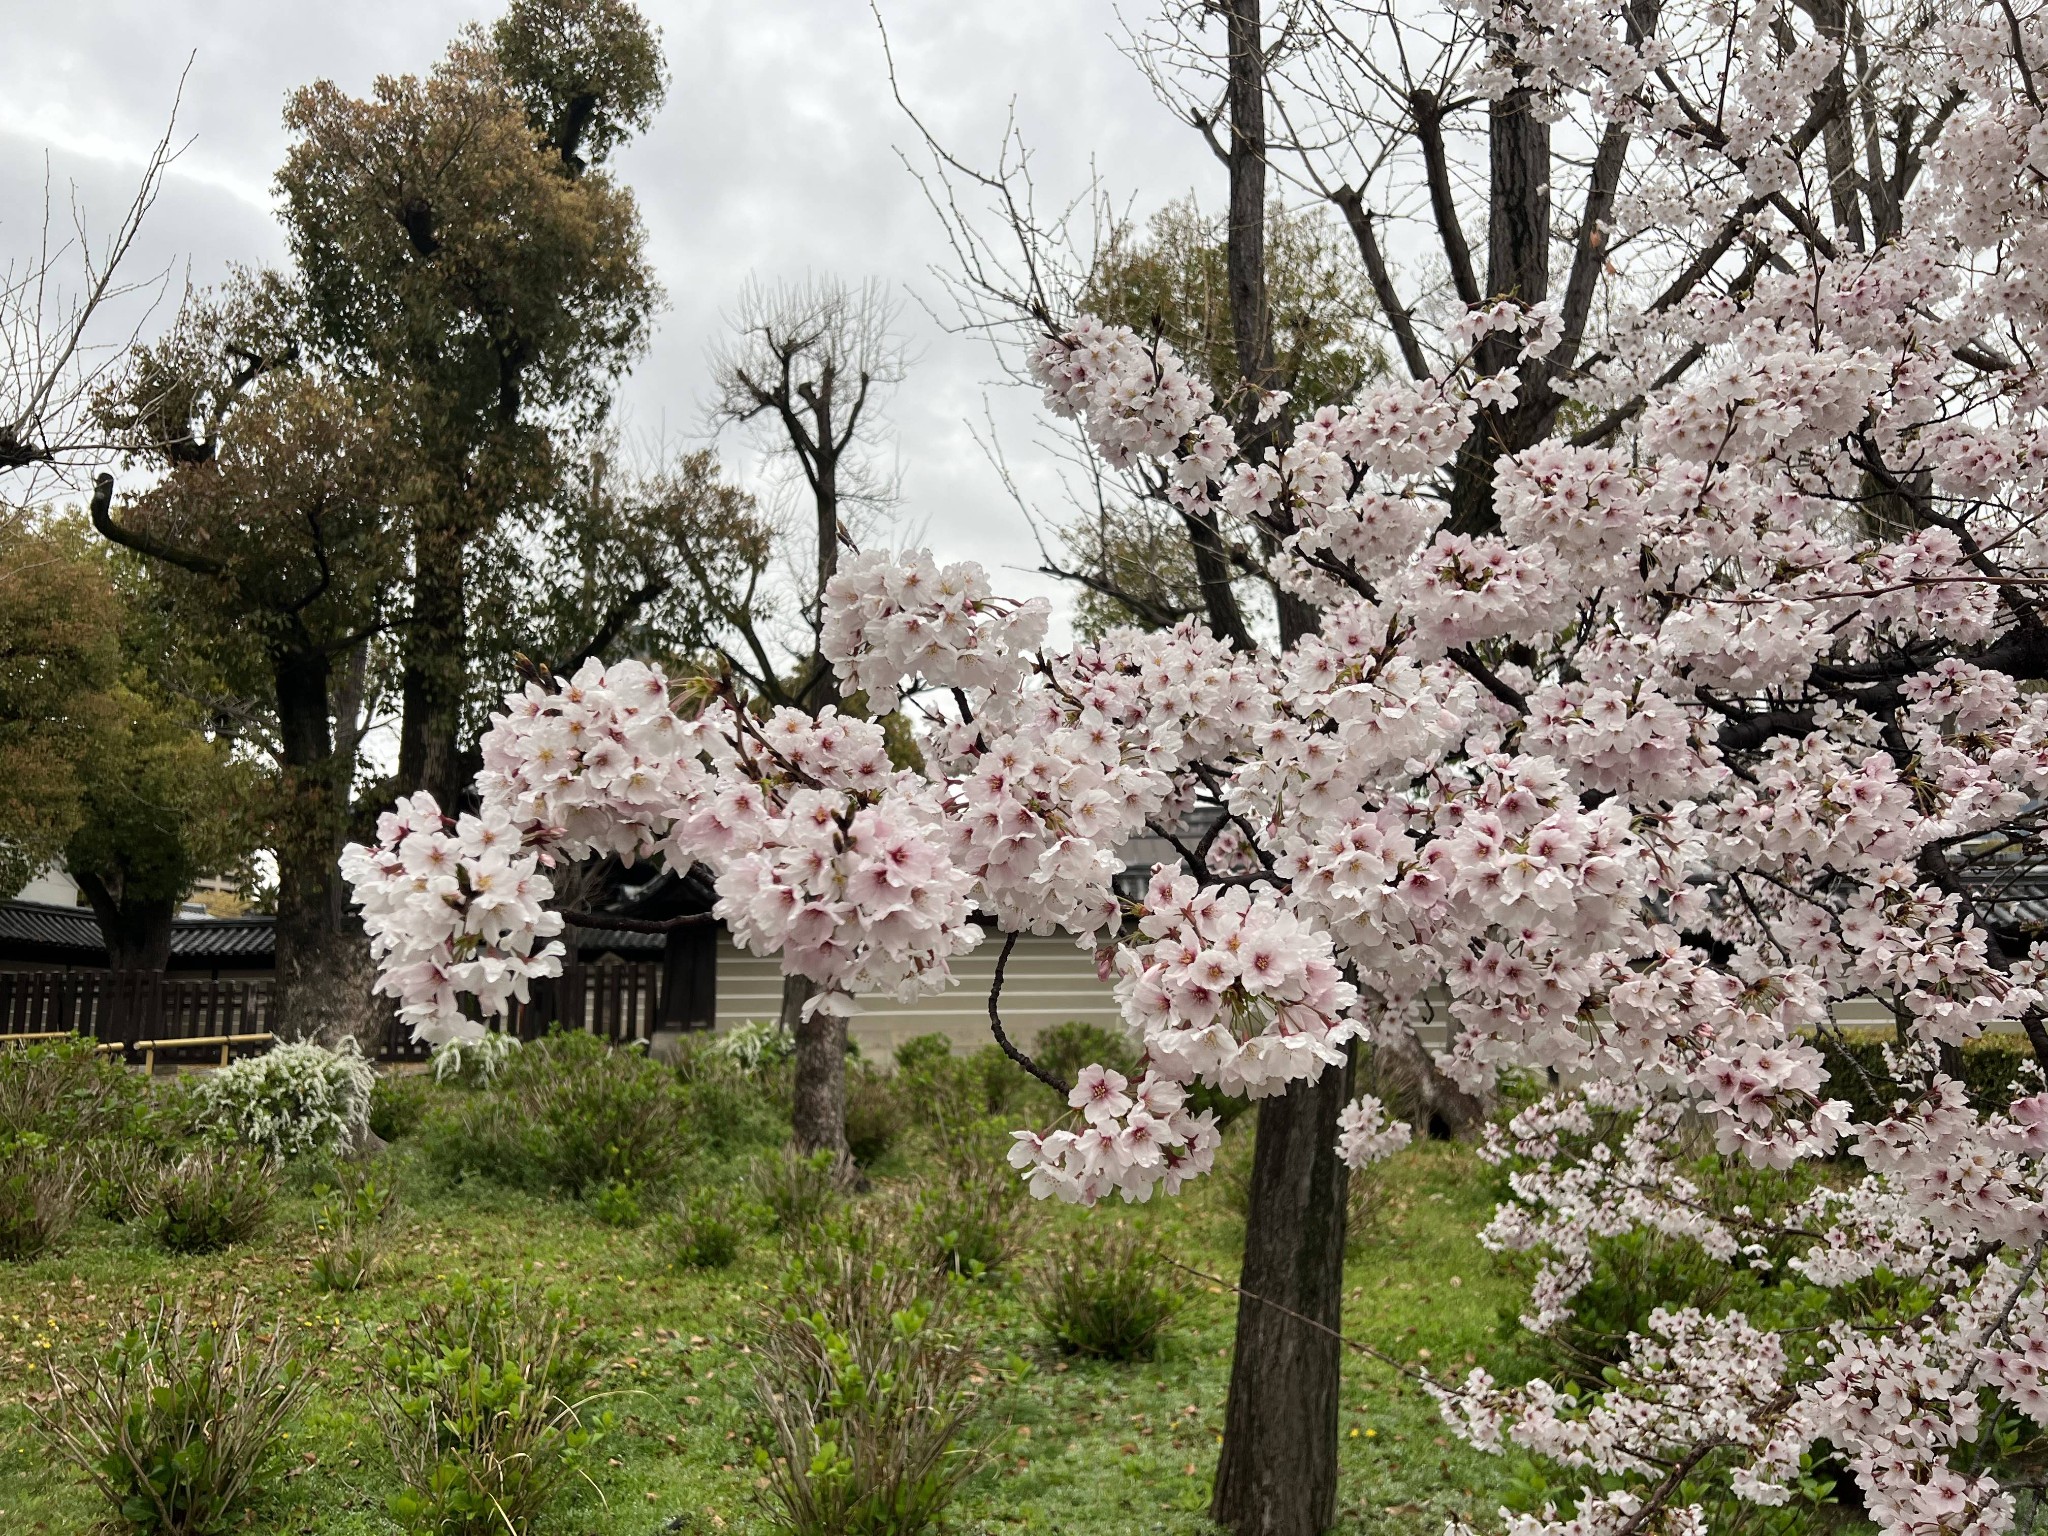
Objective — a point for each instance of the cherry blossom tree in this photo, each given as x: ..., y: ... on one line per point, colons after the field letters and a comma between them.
x: 1704, y: 711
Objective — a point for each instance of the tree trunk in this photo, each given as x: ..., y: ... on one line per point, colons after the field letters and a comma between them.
x: 1277, y: 1472
x: 818, y: 1113
x: 1251, y: 319
x: 136, y: 930
x: 1406, y: 1077
x: 1277, y: 1475
x: 1517, y: 267
x: 324, y: 971
x: 818, y: 1097
x: 436, y: 661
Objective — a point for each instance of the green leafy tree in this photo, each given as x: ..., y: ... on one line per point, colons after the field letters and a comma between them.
x: 657, y: 563
x: 359, y: 469
x: 272, y: 541
x: 165, y: 803
x: 133, y: 788
x: 590, y: 75
x: 1173, y: 280
x: 488, y: 282
x: 59, y: 656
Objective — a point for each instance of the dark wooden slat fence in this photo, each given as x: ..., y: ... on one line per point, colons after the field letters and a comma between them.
x: 620, y: 1002
x: 122, y: 1007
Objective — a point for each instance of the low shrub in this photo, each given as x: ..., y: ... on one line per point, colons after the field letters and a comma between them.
x: 1064, y: 1049
x: 569, y: 1114
x: 346, y: 1231
x: 866, y: 1402
x: 41, y: 1188
x: 923, y: 1055
x: 211, y: 1199
x: 798, y: 1189
x: 481, y: 1136
x: 730, y: 1114
x: 963, y: 1088
x: 703, y: 1232
x: 971, y: 1215
x: 473, y: 1063
x: 617, y: 1205
x: 176, y: 1425
x: 875, y: 1116
x: 970, y: 1220
x: 292, y: 1099
x: 121, y: 1177
x: 756, y: 1044
x: 399, y: 1102
x: 1108, y: 1293
x: 472, y: 1401
x: 69, y: 1091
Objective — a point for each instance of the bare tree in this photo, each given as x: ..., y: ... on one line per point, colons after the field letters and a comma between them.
x: 807, y: 369
x: 55, y: 348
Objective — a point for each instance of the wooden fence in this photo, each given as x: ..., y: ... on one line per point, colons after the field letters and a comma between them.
x: 122, y: 1007
x: 619, y: 1001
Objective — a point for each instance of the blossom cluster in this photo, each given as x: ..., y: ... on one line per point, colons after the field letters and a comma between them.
x: 888, y: 617
x: 452, y: 912
x: 1233, y: 989
x: 1132, y: 1138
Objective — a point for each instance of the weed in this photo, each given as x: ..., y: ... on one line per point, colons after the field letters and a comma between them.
x: 1106, y: 1292
x: 473, y: 1407
x: 175, y: 1424
x: 212, y: 1198
x: 867, y: 1401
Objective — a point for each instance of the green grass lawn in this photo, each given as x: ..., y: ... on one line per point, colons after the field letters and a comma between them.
x: 1078, y: 1447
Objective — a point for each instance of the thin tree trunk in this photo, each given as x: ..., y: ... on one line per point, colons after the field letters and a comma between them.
x: 818, y: 1113
x: 1277, y: 1475
x: 818, y: 1096
x: 1517, y: 267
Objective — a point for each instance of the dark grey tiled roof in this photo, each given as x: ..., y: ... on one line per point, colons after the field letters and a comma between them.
x: 617, y: 940
x: 71, y: 935
x: 32, y: 931
x: 30, y: 922
x: 223, y: 938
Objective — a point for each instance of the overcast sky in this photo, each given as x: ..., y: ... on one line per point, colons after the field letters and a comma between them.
x: 777, y: 153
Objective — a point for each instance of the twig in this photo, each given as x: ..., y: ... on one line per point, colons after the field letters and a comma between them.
x: 995, y: 1023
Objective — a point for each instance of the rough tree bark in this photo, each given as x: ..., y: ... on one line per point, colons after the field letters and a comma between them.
x: 1277, y: 1475
x: 324, y: 972
x: 435, y: 671
x: 818, y: 1107
x: 137, y: 932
